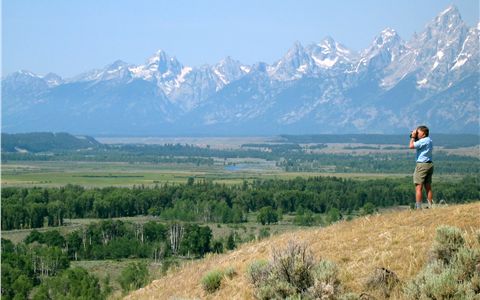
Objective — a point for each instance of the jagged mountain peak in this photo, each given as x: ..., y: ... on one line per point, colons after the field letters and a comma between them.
x: 227, y: 61
x: 389, y: 34
x: 385, y: 49
x: 292, y: 65
x: 22, y: 78
x: 446, y: 24
x: 118, y: 71
x: 296, y: 51
x: 230, y: 63
x: 328, y: 44
x: 24, y: 73
x: 159, y: 68
x: 163, y: 63
x: 159, y: 55
x: 438, y: 49
x: 387, y: 38
x: 115, y: 67
x: 449, y: 17
x: 229, y: 69
x: 297, y: 45
x: 117, y: 64
x: 52, y: 75
x: 329, y: 52
x: 53, y: 79
x: 321, y: 85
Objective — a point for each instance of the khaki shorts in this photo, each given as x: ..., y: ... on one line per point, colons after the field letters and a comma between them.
x: 423, y: 173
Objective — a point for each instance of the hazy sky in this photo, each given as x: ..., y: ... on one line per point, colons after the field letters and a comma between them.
x: 73, y: 36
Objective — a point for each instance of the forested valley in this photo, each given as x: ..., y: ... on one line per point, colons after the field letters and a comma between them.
x: 180, y: 209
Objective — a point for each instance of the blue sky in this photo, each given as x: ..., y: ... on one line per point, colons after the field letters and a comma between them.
x: 70, y: 37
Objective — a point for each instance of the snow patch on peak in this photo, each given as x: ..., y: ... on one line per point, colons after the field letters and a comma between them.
x: 296, y: 50
x: 140, y: 72
x: 386, y: 37
x: 328, y: 45
x: 449, y: 10
x: 153, y: 60
x: 52, y: 79
x: 181, y: 77
x: 450, y: 18
x: 422, y: 82
x: 325, y: 63
x: 245, y: 69
x: 389, y: 32
x: 459, y: 63
x: 220, y: 76
x: 328, y: 52
x: 28, y: 73
x: 302, y: 69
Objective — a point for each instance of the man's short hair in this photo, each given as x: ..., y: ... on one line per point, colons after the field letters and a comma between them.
x: 424, y: 129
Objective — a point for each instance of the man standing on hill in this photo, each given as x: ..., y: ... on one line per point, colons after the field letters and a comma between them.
x: 422, y: 176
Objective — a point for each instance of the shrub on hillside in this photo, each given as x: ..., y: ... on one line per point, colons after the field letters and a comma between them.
x: 294, y: 274
x: 229, y: 272
x: 383, y: 280
x: 448, y: 240
x: 294, y: 265
x: 454, y: 274
x: 258, y: 272
x: 326, y: 284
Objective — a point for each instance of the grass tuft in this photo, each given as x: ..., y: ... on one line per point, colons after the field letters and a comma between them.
x: 212, y: 280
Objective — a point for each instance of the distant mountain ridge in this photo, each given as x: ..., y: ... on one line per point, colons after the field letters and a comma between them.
x: 389, y: 87
x: 46, y: 141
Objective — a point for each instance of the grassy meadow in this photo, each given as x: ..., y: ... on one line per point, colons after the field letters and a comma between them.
x: 103, y: 174
x: 28, y: 173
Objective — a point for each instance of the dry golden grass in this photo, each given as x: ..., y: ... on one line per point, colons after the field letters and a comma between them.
x: 398, y: 241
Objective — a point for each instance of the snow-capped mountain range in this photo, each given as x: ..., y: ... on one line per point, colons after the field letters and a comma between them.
x: 390, y: 87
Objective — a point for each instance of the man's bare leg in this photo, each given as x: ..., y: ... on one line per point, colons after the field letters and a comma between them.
x: 418, y: 196
x: 428, y: 189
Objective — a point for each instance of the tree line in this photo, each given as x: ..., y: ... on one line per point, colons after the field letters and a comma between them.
x: 376, y: 163
x: 116, y: 239
x: 204, y: 201
x: 42, y: 260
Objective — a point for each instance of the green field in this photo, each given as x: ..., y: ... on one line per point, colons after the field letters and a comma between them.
x: 230, y: 170
x: 102, y: 174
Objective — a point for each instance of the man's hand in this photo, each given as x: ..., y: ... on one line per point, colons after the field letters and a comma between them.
x: 413, y: 137
x: 413, y: 134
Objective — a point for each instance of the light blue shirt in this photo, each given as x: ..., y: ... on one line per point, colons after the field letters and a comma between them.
x: 424, y: 149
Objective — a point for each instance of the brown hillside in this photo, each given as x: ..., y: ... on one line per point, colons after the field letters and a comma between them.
x: 397, y: 241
